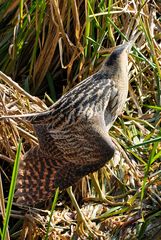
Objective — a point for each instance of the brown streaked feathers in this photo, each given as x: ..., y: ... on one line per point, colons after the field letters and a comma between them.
x: 73, y: 133
x: 65, y: 163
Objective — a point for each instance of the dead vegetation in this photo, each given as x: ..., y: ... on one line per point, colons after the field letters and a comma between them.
x: 48, y: 47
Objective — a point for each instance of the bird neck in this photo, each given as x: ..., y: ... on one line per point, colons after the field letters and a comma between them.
x: 117, y: 71
x: 121, y: 80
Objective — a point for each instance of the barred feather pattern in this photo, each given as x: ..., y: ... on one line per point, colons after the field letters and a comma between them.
x: 73, y: 136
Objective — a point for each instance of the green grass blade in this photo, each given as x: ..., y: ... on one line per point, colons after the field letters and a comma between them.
x: 21, y: 13
x: 147, y: 168
x: 52, y: 210
x: 4, y: 8
x: 113, y: 212
x: 11, y: 191
x: 157, y: 139
x: 87, y: 32
x: 158, y: 155
x: 153, y: 107
x: 41, y: 5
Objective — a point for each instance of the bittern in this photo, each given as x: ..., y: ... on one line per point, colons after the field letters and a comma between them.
x: 73, y: 134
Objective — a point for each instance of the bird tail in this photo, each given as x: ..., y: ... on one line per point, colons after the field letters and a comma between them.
x: 36, y: 178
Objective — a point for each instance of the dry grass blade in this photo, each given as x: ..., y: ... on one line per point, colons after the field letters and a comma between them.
x: 20, y: 90
x: 2, y: 206
x: 47, y: 53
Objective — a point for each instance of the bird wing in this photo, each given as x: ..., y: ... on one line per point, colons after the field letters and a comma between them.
x: 92, y: 93
x: 61, y: 159
x: 86, y: 147
x: 72, y: 141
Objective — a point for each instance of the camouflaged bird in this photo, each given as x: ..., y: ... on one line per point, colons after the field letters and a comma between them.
x: 73, y: 134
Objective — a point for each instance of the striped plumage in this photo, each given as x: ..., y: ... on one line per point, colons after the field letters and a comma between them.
x: 73, y: 133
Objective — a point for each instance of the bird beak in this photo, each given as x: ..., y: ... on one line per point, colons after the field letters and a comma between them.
x: 128, y: 46
x: 132, y: 41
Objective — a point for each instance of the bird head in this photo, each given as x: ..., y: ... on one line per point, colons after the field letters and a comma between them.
x: 118, y: 59
x: 120, y: 52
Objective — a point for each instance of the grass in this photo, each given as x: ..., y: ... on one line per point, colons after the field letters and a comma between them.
x: 47, y: 47
x: 51, y: 212
x: 11, y: 194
